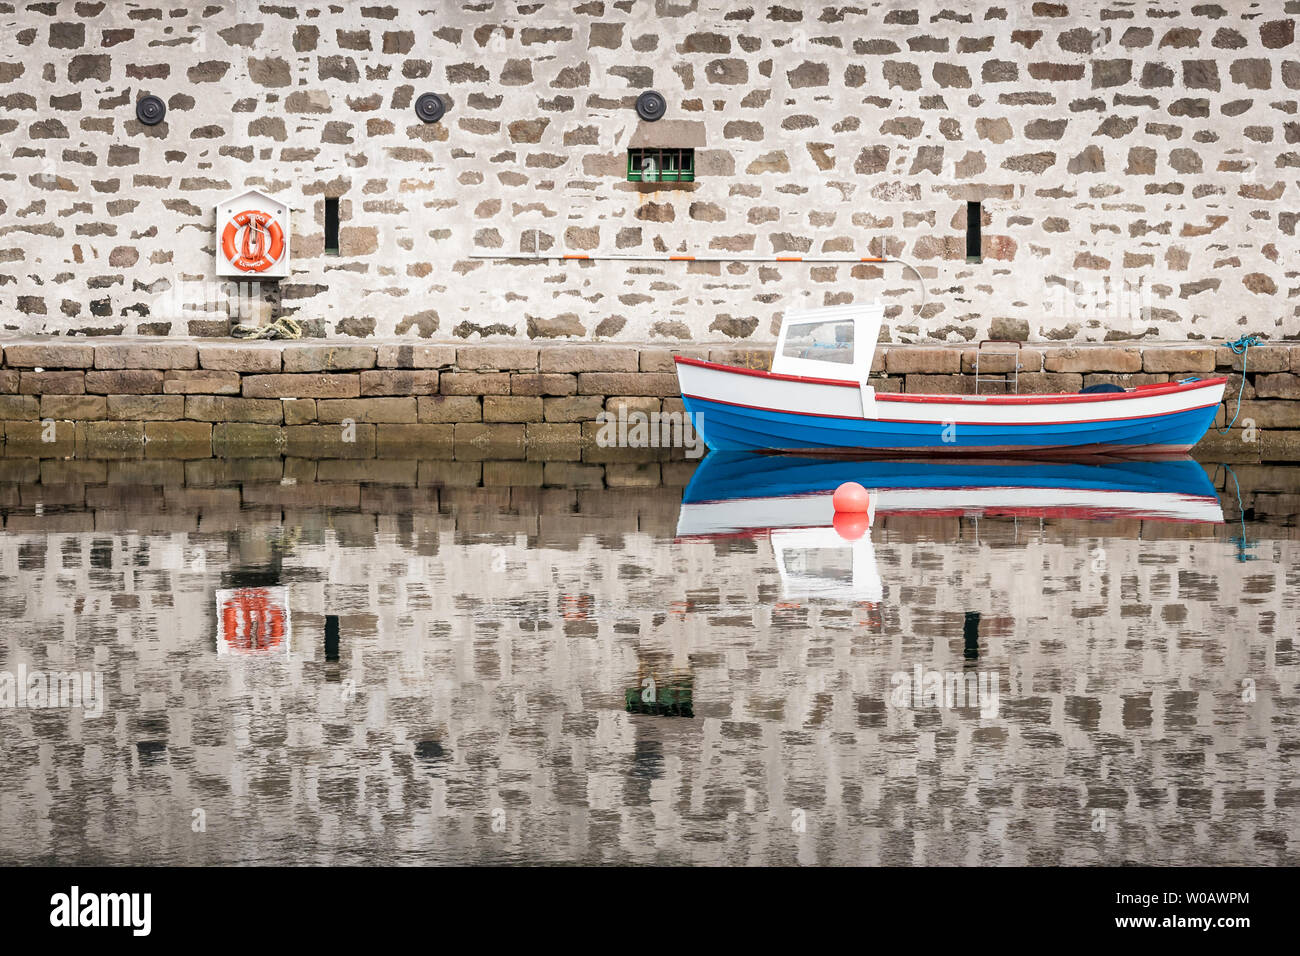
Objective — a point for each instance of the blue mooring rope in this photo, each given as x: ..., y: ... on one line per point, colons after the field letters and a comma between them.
x: 1243, y: 543
x: 1240, y: 347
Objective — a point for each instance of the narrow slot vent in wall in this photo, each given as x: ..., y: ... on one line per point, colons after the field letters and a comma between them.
x: 973, y: 253
x: 331, y: 226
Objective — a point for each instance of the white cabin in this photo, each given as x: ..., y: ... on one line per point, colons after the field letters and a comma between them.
x: 836, y: 343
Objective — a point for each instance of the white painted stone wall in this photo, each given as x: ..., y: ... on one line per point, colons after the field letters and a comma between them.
x: 1110, y: 144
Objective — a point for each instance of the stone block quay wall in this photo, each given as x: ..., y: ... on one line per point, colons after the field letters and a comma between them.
x: 512, y: 402
x: 1136, y: 165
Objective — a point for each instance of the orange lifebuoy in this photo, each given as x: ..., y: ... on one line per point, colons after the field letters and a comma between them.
x: 259, y: 227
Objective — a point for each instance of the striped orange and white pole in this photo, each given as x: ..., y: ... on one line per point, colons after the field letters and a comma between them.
x: 645, y: 257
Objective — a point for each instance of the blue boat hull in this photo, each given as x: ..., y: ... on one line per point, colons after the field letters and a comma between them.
x: 727, y: 427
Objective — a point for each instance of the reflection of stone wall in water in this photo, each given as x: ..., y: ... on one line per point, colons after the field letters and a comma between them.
x: 491, y: 649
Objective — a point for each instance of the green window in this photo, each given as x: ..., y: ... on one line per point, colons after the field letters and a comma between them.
x: 660, y: 165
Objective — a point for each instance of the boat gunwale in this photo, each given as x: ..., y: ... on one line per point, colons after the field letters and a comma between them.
x: 1029, y: 399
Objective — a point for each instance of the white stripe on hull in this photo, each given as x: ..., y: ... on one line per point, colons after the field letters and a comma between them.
x: 774, y: 393
x: 812, y: 511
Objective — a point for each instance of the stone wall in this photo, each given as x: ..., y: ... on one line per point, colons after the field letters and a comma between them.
x: 521, y: 403
x: 1109, y: 143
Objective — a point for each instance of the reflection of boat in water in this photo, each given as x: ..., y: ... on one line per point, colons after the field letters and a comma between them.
x: 820, y: 553
x: 735, y: 492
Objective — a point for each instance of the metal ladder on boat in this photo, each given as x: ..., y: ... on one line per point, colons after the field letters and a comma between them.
x: 1014, y: 381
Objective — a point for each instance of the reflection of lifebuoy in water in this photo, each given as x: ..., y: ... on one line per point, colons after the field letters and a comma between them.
x: 250, y: 622
x: 263, y: 242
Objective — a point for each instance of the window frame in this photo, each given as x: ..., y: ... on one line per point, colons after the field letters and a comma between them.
x: 675, y: 164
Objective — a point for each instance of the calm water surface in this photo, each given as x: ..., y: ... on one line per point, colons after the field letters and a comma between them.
x: 465, y: 674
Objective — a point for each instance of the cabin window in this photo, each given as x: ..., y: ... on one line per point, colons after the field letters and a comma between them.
x: 820, y: 341
x: 661, y: 165
x: 331, y: 226
x: 973, y: 247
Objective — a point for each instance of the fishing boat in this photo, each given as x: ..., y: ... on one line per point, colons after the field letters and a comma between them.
x: 816, y: 398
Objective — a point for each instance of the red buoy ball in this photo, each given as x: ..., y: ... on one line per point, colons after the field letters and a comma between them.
x: 850, y: 498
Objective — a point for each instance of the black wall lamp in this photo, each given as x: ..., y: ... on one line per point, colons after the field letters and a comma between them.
x: 150, y: 110
x: 430, y: 107
x: 651, y: 106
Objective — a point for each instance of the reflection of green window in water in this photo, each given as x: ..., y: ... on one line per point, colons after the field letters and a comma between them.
x: 667, y: 700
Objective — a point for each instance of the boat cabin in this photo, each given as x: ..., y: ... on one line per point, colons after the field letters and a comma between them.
x: 835, y: 343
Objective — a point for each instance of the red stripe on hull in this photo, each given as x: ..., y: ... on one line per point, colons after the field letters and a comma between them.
x: 1081, y: 512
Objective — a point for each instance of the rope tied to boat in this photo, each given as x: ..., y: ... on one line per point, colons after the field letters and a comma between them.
x: 1241, y: 346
